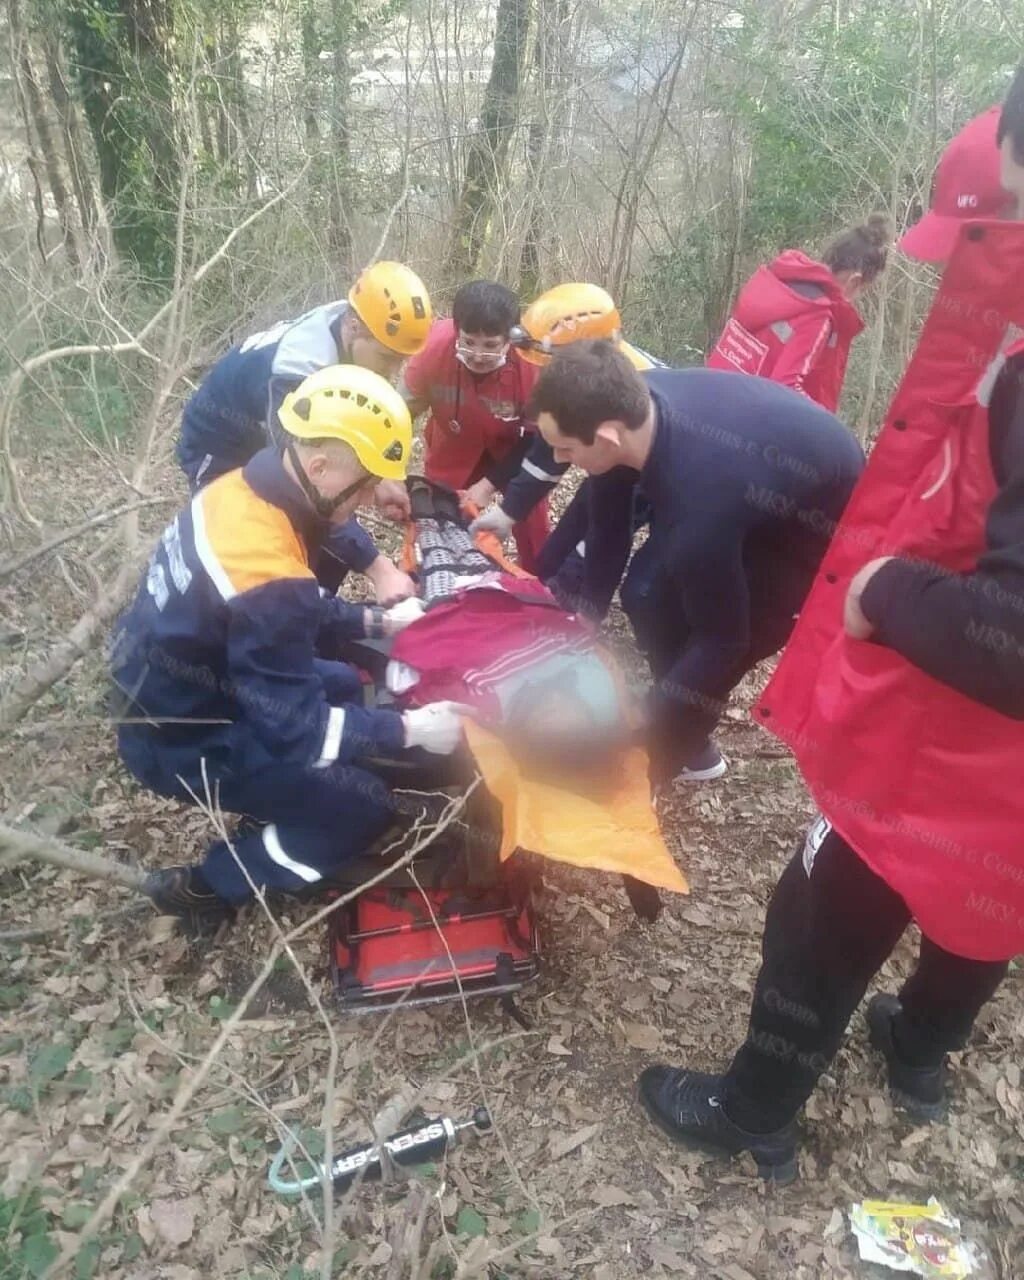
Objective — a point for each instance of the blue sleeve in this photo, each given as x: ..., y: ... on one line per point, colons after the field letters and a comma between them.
x: 535, y: 479
x: 341, y: 620
x: 285, y: 713
x: 609, y: 538
x: 352, y: 545
x: 277, y: 389
x: 501, y: 472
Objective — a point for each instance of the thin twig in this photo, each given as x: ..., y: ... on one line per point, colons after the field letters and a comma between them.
x: 34, y: 934
x: 44, y: 358
x: 392, y: 214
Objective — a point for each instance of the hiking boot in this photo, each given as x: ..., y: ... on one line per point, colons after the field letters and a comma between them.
x: 704, y: 766
x: 183, y: 892
x: 687, y: 1105
x: 920, y: 1091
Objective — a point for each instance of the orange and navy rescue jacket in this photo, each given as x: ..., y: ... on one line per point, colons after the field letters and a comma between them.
x: 220, y: 655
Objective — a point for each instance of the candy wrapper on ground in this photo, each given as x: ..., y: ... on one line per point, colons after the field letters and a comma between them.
x: 919, y: 1238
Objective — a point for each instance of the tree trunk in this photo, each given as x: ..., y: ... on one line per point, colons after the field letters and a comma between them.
x: 311, y: 77
x: 24, y: 692
x: 222, y: 118
x: 312, y: 84
x: 488, y: 150
x: 151, y: 32
x: 203, y: 109
x: 17, y: 845
x: 124, y: 62
x: 552, y: 15
x: 71, y: 130
x: 339, y: 231
x: 239, y: 99
x: 37, y: 123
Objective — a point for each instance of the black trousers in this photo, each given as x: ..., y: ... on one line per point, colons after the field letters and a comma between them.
x: 684, y: 720
x: 831, y: 924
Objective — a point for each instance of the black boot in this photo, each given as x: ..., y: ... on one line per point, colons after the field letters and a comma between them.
x: 920, y: 1091
x: 687, y: 1106
x: 184, y: 893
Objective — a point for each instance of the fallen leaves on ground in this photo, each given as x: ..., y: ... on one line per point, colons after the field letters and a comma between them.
x: 102, y: 1021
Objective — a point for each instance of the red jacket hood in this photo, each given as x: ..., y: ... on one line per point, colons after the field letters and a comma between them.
x: 767, y: 297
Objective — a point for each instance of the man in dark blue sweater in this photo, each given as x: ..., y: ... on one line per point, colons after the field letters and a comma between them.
x: 745, y: 481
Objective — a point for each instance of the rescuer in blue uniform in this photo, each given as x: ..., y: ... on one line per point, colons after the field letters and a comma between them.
x: 233, y: 414
x: 744, y: 481
x: 224, y: 662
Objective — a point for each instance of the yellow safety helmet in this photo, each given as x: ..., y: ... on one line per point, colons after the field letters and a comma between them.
x: 360, y: 408
x: 637, y: 358
x: 567, y: 313
x: 392, y: 301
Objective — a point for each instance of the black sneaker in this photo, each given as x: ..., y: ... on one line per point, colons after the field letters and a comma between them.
x: 184, y: 893
x: 920, y: 1091
x: 687, y: 1106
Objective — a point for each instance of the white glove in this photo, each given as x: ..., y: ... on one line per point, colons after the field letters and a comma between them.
x: 403, y: 615
x: 436, y: 728
x: 494, y: 520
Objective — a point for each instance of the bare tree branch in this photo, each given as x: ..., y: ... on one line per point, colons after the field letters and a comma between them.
x: 17, y: 844
x: 26, y: 691
x: 14, y: 565
x: 44, y: 358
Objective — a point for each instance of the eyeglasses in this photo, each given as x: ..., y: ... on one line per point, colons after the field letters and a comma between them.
x: 467, y: 347
x: 513, y: 419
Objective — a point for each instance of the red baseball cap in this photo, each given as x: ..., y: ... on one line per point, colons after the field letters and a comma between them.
x: 967, y: 185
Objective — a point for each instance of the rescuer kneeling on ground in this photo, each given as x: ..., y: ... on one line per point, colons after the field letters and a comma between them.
x: 223, y: 661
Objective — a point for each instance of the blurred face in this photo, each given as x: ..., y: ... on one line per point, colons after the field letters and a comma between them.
x: 852, y: 284
x: 367, y: 352
x: 595, y: 459
x: 481, y: 352
x: 331, y: 471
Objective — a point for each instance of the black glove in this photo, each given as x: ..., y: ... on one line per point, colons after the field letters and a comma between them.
x: 644, y: 898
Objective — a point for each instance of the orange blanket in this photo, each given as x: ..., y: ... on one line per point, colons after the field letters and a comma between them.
x: 619, y: 834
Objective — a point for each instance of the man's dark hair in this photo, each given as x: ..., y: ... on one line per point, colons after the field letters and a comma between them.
x: 1011, y: 122
x: 587, y: 383
x: 484, y: 306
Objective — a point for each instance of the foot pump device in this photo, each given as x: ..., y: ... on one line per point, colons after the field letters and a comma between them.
x: 421, y: 1143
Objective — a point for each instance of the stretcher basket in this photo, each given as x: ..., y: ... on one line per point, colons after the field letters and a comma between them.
x: 395, y: 946
x: 466, y: 924
x: 458, y: 923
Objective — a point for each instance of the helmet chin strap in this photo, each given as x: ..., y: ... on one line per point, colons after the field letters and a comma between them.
x: 324, y: 507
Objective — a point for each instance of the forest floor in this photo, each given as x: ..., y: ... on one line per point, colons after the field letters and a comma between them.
x: 106, y: 1013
